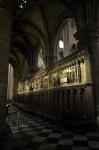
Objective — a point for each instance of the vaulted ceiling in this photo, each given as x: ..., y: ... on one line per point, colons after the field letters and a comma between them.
x: 36, y: 22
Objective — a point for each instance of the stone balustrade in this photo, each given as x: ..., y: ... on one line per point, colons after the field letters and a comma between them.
x: 61, y: 103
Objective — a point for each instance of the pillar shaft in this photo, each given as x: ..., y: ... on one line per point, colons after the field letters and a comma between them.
x: 5, y: 30
x: 89, y: 40
x: 49, y: 60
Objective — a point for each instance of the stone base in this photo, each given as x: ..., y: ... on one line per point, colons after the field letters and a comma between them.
x: 5, y: 137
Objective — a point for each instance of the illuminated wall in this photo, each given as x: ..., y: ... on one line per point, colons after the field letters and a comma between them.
x: 10, y: 83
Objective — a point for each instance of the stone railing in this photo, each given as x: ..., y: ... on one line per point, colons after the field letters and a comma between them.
x: 69, y: 103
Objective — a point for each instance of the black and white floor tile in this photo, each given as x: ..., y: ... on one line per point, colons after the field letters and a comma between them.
x: 35, y: 133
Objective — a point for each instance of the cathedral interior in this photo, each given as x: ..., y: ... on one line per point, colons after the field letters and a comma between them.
x: 49, y: 74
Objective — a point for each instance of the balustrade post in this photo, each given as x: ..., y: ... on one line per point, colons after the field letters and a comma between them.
x: 68, y: 99
x: 82, y: 91
x: 63, y: 102
x: 5, y: 35
x: 74, y: 100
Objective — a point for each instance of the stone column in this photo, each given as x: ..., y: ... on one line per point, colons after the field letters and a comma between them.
x: 65, y: 36
x: 49, y: 60
x: 89, y: 40
x: 5, y: 32
x: 15, y: 86
x: 88, y: 67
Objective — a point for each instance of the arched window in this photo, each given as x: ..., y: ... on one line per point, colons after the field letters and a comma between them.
x: 61, y: 49
x: 41, y: 64
x: 66, y: 44
x: 61, y: 44
x: 10, y: 82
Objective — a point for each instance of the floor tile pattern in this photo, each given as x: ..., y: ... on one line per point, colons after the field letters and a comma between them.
x: 34, y: 133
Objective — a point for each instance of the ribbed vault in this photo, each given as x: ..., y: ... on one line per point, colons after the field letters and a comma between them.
x: 36, y: 24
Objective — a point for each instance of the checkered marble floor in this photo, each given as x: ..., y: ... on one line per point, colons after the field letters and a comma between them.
x: 35, y: 133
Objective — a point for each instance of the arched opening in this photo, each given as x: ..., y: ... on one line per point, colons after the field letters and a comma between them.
x: 61, y: 49
x: 41, y: 64
x: 10, y: 83
x: 66, y: 43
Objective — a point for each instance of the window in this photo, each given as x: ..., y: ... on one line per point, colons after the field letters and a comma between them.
x: 66, y: 44
x: 61, y: 44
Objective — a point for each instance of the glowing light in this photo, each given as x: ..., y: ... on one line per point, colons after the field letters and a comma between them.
x: 21, y: 6
x: 61, y: 44
x: 24, y: 1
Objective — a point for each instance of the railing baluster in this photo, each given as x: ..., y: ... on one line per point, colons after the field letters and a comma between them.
x: 82, y: 90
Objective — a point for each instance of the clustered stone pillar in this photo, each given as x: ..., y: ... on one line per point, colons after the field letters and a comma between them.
x: 49, y: 60
x: 66, y: 38
x: 89, y: 39
x: 15, y: 86
x: 94, y: 48
x: 5, y: 32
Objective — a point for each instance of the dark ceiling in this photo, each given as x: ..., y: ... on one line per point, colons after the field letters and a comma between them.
x: 36, y: 23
